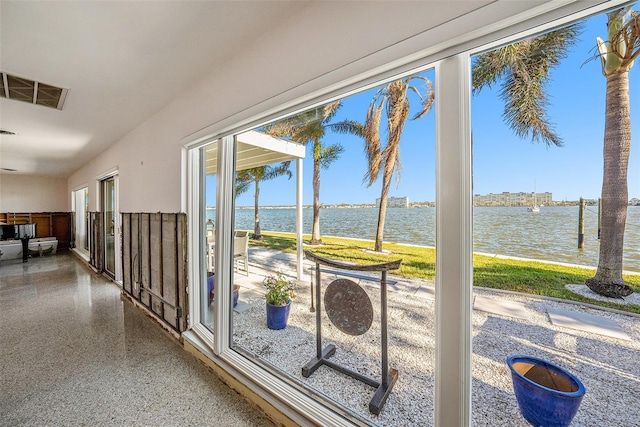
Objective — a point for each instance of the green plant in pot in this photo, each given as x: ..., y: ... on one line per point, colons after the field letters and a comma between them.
x: 280, y: 292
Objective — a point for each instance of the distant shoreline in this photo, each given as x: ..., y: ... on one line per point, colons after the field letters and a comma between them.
x: 411, y: 205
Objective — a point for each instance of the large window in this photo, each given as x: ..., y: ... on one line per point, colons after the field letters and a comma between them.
x: 337, y: 219
x: 430, y: 320
x: 538, y: 128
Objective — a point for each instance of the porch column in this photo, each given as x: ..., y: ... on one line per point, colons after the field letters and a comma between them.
x: 299, y: 253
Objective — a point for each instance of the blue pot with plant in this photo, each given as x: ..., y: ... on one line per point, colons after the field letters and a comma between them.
x: 211, y: 288
x: 547, y: 395
x: 280, y: 292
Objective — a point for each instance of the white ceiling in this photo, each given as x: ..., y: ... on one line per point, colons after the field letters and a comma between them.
x: 121, y: 61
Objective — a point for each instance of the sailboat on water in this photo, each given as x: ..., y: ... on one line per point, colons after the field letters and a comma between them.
x: 535, y: 207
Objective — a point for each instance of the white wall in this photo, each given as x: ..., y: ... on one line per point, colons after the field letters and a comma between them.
x: 28, y: 193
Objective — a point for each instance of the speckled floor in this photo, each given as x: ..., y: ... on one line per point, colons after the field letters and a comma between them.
x: 72, y: 353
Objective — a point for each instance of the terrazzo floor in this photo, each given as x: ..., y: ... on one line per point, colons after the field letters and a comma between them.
x: 72, y: 353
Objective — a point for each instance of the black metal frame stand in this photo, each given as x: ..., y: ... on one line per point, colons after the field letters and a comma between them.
x: 389, y: 376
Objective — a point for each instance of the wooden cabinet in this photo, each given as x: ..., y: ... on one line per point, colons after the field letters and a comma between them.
x: 48, y: 224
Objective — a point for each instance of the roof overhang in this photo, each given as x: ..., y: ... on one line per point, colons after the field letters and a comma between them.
x: 254, y: 149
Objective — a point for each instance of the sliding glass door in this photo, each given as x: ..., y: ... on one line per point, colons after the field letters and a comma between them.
x: 111, y: 226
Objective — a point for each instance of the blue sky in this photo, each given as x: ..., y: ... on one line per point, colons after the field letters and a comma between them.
x: 501, y: 160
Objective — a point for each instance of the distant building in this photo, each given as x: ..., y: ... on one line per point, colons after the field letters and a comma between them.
x: 513, y: 199
x: 395, y: 202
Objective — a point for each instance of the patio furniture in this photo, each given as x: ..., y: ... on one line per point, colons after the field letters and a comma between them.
x: 211, y: 249
x: 241, y: 251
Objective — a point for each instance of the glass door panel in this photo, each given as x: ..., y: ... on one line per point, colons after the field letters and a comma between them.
x: 108, y: 209
x: 81, y: 210
x: 208, y: 215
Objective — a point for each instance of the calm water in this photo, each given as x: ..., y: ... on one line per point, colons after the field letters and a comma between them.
x: 551, y: 234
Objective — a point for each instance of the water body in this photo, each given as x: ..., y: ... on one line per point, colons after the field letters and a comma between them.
x: 548, y: 235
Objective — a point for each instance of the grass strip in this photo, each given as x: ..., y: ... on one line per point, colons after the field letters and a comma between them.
x: 526, y: 276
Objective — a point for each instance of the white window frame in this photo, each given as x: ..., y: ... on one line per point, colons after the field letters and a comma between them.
x: 454, y: 197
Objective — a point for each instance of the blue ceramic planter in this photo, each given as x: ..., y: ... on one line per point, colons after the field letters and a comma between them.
x: 277, y: 315
x: 211, y: 285
x: 548, y: 395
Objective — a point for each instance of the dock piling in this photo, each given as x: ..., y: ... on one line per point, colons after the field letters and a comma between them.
x: 581, y: 224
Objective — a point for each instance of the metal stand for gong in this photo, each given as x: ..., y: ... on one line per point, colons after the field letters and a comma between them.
x: 350, y: 310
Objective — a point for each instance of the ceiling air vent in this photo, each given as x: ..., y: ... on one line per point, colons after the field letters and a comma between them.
x: 22, y: 89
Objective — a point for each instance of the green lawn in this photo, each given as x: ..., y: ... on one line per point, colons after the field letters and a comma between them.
x: 419, y: 262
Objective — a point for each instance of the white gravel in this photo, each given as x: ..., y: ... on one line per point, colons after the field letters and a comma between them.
x: 608, y: 367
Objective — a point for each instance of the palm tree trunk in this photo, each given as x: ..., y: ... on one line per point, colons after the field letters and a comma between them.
x: 615, y: 199
x: 387, y: 174
x: 315, y: 231
x: 382, y: 214
x: 257, y: 233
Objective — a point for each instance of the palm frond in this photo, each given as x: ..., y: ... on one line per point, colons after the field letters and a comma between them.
x: 330, y: 154
x: 490, y: 67
x: 348, y: 127
x: 397, y: 111
x: 398, y: 168
x: 280, y: 129
x: 426, y: 101
x: 271, y: 172
x: 242, y: 186
x: 330, y: 110
x: 627, y: 37
x: 246, y: 177
x: 524, y: 69
x: 372, y: 139
x: 311, y: 131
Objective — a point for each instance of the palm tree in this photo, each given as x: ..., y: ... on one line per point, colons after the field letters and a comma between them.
x: 310, y: 127
x: 245, y: 178
x: 617, y: 56
x: 393, y: 99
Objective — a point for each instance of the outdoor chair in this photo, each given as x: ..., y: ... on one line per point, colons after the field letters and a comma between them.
x: 241, y: 251
x: 211, y: 247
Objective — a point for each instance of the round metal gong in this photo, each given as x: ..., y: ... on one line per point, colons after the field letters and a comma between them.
x: 348, y: 307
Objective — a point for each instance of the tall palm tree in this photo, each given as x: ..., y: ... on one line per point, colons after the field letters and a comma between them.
x: 617, y: 56
x: 393, y: 99
x: 310, y: 127
x: 245, y: 178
